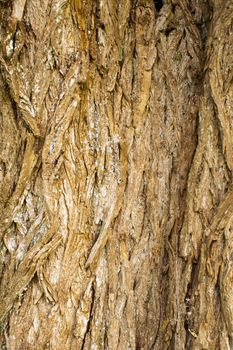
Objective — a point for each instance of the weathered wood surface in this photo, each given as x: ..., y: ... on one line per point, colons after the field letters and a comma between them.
x: 116, y: 164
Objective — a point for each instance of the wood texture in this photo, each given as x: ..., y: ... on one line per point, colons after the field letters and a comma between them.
x: 116, y: 174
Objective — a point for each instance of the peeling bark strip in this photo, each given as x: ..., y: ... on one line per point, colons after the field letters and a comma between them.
x: 116, y: 174
x: 18, y: 9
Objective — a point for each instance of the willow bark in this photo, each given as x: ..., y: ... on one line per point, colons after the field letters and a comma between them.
x: 116, y: 165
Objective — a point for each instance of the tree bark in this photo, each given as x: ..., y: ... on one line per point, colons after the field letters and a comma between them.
x: 116, y: 162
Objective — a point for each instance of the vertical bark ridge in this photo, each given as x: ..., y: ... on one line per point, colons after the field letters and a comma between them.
x: 116, y: 222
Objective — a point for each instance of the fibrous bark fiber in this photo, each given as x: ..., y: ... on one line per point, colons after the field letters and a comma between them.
x: 116, y: 160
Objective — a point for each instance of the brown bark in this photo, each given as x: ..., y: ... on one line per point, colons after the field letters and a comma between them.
x: 116, y: 174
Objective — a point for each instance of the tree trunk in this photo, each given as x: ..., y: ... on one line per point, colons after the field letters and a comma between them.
x: 116, y: 162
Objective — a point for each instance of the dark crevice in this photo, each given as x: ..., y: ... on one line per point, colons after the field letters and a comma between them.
x: 90, y: 318
x: 168, y: 31
x: 190, y: 304
x: 158, y: 5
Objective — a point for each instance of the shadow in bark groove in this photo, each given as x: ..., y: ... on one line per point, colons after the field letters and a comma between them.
x: 158, y: 4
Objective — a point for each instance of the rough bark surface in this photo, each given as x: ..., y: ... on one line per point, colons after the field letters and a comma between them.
x: 116, y: 160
